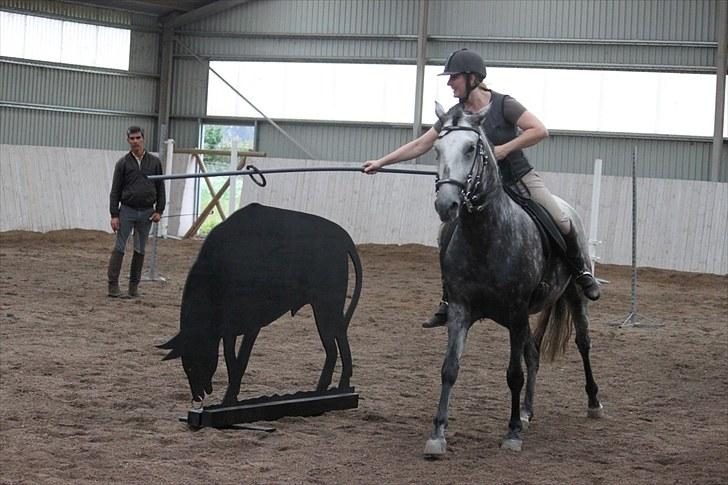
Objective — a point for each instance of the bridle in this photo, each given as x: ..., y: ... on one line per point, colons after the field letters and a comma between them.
x: 471, y: 188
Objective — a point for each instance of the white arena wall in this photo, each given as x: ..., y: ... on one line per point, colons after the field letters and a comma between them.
x: 682, y: 225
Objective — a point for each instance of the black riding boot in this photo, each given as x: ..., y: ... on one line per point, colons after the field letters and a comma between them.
x: 135, y: 274
x: 440, y: 317
x: 113, y: 273
x: 582, y: 275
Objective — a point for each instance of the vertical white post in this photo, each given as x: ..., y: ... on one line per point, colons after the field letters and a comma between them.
x: 169, y: 156
x: 233, y: 185
x: 594, y: 219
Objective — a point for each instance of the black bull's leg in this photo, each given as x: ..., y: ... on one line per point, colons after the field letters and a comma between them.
x: 236, y: 365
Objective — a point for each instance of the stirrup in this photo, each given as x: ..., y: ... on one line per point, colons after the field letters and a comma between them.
x: 589, y: 285
x: 439, y: 318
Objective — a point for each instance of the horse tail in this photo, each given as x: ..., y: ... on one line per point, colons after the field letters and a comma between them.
x: 554, y: 330
x: 357, y: 284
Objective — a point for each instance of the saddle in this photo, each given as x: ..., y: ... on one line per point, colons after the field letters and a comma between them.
x: 550, y: 235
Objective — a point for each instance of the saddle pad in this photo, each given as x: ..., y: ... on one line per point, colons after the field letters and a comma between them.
x: 550, y: 233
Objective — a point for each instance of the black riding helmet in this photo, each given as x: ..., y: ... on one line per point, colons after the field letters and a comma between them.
x: 464, y: 61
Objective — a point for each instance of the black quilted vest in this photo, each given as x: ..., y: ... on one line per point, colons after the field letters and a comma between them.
x: 499, y: 131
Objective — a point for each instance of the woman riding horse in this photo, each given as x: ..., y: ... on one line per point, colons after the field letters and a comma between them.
x: 501, y: 123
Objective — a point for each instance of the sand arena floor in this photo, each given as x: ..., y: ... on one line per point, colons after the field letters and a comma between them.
x: 86, y: 398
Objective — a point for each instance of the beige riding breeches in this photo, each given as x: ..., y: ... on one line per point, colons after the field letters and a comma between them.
x: 533, y: 181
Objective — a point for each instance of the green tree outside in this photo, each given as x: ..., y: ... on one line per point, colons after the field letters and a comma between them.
x: 219, y: 137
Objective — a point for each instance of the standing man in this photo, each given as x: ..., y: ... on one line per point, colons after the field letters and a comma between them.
x: 135, y: 202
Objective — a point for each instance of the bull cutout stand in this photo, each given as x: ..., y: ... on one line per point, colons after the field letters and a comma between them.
x: 254, y: 267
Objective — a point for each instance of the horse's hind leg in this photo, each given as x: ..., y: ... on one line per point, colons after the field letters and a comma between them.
x: 327, y: 322
x: 236, y: 365
x: 581, y: 326
x: 531, y: 357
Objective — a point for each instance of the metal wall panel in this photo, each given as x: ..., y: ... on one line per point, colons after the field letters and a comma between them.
x: 185, y: 133
x: 59, y: 105
x: 80, y: 13
x: 78, y: 130
x: 605, y: 56
x: 670, y: 35
x: 53, y: 86
x: 316, y: 16
x: 301, y: 49
x: 331, y: 142
x: 189, y: 88
x: 144, y: 52
x: 665, y: 20
x: 658, y: 157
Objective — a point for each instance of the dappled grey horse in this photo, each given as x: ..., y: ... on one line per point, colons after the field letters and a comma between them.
x: 494, y: 266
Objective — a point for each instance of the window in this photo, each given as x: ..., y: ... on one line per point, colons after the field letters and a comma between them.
x: 220, y: 137
x: 51, y: 40
x: 611, y: 101
x: 297, y: 90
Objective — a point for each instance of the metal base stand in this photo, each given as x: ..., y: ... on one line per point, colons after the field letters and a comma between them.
x: 270, y: 408
x: 151, y: 273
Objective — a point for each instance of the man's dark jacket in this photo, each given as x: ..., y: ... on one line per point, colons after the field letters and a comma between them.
x: 131, y: 187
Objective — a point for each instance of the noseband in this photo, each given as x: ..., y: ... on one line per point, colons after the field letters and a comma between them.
x: 470, y: 189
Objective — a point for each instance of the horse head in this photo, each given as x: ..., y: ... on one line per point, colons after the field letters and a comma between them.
x: 199, y: 360
x: 467, y: 170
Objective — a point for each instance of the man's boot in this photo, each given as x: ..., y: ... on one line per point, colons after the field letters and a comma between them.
x: 582, y: 276
x: 439, y: 318
x: 135, y: 274
x: 115, y: 261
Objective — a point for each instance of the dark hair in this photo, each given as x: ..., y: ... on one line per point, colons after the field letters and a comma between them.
x: 134, y: 129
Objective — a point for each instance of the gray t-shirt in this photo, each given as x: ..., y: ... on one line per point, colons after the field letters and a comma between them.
x: 512, y: 110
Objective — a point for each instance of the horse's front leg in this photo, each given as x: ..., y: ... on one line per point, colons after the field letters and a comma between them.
x: 457, y: 332
x: 236, y: 365
x: 518, y: 331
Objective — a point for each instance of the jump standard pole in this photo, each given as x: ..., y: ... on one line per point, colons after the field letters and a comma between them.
x: 634, y: 320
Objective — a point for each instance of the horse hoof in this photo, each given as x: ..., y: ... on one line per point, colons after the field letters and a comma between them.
x: 512, y: 444
x: 435, y: 448
x: 595, y: 413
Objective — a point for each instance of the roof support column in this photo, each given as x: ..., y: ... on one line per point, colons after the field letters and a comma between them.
x: 165, y: 84
x: 421, y: 61
x: 720, y: 73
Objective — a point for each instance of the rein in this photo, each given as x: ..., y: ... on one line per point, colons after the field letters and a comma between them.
x: 470, y: 189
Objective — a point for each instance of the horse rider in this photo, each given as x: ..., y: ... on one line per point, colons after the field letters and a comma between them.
x: 502, y: 123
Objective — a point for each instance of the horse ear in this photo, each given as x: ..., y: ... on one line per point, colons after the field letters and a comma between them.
x: 440, y: 112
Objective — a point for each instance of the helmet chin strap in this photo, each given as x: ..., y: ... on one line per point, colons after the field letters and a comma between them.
x: 468, y: 89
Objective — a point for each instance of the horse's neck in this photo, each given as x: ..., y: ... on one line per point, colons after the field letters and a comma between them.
x: 494, y: 219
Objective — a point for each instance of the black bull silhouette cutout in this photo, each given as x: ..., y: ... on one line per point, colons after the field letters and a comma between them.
x: 254, y: 267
